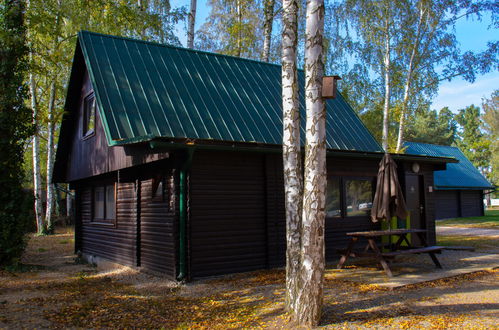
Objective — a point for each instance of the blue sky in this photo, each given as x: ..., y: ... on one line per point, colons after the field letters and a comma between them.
x: 457, y: 94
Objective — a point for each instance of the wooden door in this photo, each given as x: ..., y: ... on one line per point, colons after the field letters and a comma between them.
x: 414, y: 195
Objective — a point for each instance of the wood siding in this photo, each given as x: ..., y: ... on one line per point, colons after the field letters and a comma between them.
x: 90, y: 156
x: 447, y: 204
x: 113, y: 242
x: 471, y: 203
x: 144, y: 231
x: 227, y: 214
x: 458, y: 203
x: 157, y: 227
x: 237, y: 218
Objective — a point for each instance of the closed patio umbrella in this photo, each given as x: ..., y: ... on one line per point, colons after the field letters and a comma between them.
x: 388, y: 199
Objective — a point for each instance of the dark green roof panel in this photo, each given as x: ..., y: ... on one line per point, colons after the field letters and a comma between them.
x: 462, y: 175
x: 146, y: 90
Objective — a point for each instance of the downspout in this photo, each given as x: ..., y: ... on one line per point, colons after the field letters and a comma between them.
x: 182, y: 255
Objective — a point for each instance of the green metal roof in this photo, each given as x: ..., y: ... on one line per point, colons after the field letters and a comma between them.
x: 462, y: 175
x: 146, y: 91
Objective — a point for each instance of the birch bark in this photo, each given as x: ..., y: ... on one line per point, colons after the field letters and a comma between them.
x: 408, y: 81
x: 387, y: 64
x: 50, y: 156
x: 310, y: 296
x: 192, y: 23
x: 37, y: 178
x: 293, y: 184
x: 267, y: 28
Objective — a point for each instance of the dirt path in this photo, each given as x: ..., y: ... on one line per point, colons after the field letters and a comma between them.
x: 55, y: 292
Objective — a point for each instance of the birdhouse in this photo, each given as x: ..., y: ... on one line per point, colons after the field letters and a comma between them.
x: 329, y: 86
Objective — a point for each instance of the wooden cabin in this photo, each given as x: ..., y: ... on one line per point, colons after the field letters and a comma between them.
x: 175, y: 159
x: 459, y: 189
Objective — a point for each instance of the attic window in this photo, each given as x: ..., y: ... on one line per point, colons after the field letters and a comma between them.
x: 88, y: 115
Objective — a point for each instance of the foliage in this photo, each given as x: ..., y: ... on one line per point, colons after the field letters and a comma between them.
x: 430, y: 126
x: 491, y: 127
x: 423, y: 52
x: 52, y: 29
x: 14, y: 130
x: 472, y: 141
x: 234, y: 27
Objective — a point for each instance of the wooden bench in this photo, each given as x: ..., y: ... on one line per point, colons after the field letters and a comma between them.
x: 374, y: 251
x: 427, y: 249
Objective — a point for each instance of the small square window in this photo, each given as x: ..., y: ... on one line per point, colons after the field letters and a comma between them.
x: 89, y: 115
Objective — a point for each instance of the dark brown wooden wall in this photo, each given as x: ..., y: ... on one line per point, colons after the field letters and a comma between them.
x: 143, y: 234
x: 458, y: 203
x: 447, y: 204
x: 92, y: 156
x: 116, y: 242
x: 471, y: 203
x: 237, y: 216
x: 157, y: 228
x: 227, y: 217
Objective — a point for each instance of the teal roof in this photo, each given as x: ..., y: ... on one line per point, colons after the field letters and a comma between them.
x: 146, y: 91
x: 462, y: 175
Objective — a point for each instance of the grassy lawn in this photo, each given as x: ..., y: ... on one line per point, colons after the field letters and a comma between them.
x: 480, y: 243
x: 490, y: 220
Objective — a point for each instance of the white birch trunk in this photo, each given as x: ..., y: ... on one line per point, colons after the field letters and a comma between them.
x: 310, y: 298
x: 408, y: 81
x: 267, y: 27
x: 50, y: 157
x: 69, y: 203
x: 37, y: 178
x: 293, y: 183
x: 192, y: 23
x: 386, y: 107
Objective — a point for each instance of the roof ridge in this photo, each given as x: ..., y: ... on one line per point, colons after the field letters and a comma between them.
x: 81, y: 32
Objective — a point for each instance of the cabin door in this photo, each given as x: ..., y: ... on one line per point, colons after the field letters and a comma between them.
x: 414, y: 194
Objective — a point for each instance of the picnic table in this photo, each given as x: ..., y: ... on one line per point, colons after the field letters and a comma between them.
x: 372, y: 250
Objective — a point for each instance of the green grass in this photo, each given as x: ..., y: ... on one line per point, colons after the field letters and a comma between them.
x: 489, y: 220
x: 478, y: 242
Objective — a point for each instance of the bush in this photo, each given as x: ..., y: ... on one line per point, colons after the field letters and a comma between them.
x: 15, y: 129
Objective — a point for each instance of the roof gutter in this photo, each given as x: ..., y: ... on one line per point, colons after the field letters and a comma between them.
x: 277, y: 149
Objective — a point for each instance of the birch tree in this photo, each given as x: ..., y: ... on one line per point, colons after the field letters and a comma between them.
x: 52, y: 29
x: 293, y: 180
x: 268, y: 11
x: 192, y: 23
x: 432, y: 44
x: 310, y: 294
x: 233, y: 27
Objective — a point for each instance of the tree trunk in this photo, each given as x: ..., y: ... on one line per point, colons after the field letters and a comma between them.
x: 37, y: 178
x: 310, y: 297
x: 192, y: 23
x: 407, y: 88
x: 386, y: 107
x: 50, y: 157
x: 267, y: 28
x: 239, y: 28
x: 291, y: 150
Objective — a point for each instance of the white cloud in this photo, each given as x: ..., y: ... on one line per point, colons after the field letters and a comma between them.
x: 459, y: 94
